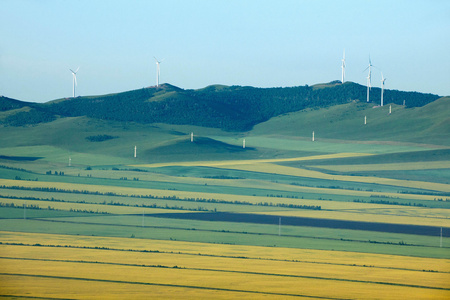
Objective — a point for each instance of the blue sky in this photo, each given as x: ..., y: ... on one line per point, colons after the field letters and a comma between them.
x: 204, y: 42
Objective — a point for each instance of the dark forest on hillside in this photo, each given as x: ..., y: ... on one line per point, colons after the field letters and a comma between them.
x: 232, y: 108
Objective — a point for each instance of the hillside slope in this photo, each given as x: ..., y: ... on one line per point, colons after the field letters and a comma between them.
x: 428, y: 124
x: 232, y: 108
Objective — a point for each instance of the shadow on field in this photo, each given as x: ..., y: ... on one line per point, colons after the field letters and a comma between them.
x: 309, y: 222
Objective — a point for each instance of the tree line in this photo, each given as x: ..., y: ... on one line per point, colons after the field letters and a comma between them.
x: 173, y: 198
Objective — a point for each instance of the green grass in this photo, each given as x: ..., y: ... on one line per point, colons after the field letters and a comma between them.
x: 428, y: 124
x: 27, y: 213
x: 439, y: 175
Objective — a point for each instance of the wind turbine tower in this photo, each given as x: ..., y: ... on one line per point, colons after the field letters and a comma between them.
x: 382, y: 87
x: 369, y: 79
x: 158, y: 62
x: 74, y: 75
x: 343, y: 68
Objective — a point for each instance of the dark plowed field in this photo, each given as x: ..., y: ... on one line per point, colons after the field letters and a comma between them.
x: 310, y: 222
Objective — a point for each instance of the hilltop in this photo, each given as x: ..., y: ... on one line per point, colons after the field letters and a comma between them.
x: 231, y: 108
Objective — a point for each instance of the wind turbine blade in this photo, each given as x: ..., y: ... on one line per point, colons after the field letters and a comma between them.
x: 71, y: 71
x: 77, y: 70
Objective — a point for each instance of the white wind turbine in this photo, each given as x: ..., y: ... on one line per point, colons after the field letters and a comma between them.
x: 382, y: 87
x: 74, y: 75
x: 343, y: 68
x: 369, y: 79
x: 157, y: 70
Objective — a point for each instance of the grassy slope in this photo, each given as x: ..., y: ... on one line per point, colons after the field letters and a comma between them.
x: 428, y: 124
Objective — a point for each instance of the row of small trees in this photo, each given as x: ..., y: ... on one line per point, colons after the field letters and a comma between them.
x: 175, y: 198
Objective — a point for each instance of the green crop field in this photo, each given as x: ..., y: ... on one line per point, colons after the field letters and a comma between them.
x: 356, y: 210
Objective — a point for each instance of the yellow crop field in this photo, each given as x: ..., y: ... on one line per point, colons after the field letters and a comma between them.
x: 200, y: 281
x: 219, y: 270
x: 224, y: 264
x: 57, y: 288
x: 243, y: 251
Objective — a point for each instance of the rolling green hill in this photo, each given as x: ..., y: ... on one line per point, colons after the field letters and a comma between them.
x: 427, y: 124
x: 232, y: 108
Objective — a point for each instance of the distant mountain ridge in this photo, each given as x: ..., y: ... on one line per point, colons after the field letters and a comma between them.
x: 232, y: 108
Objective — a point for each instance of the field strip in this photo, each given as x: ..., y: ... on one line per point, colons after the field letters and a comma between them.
x: 242, y: 252
x: 199, y: 261
x: 134, y: 205
x: 253, y: 161
x: 408, y: 274
x: 444, y: 285
x: 362, y: 217
x: 429, y: 165
x: 172, y: 285
x: 284, y: 170
x: 390, y: 217
x: 88, y: 207
x: 271, y: 219
x: 182, y: 194
x: 58, y: 289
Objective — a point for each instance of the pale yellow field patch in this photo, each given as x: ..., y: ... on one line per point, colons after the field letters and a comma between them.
x: 269, y: 166
x: 252, y: 161
x: 429, y: 165
x: 284, y: 170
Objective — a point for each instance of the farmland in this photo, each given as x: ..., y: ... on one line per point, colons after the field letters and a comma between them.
x: 285, y: 217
